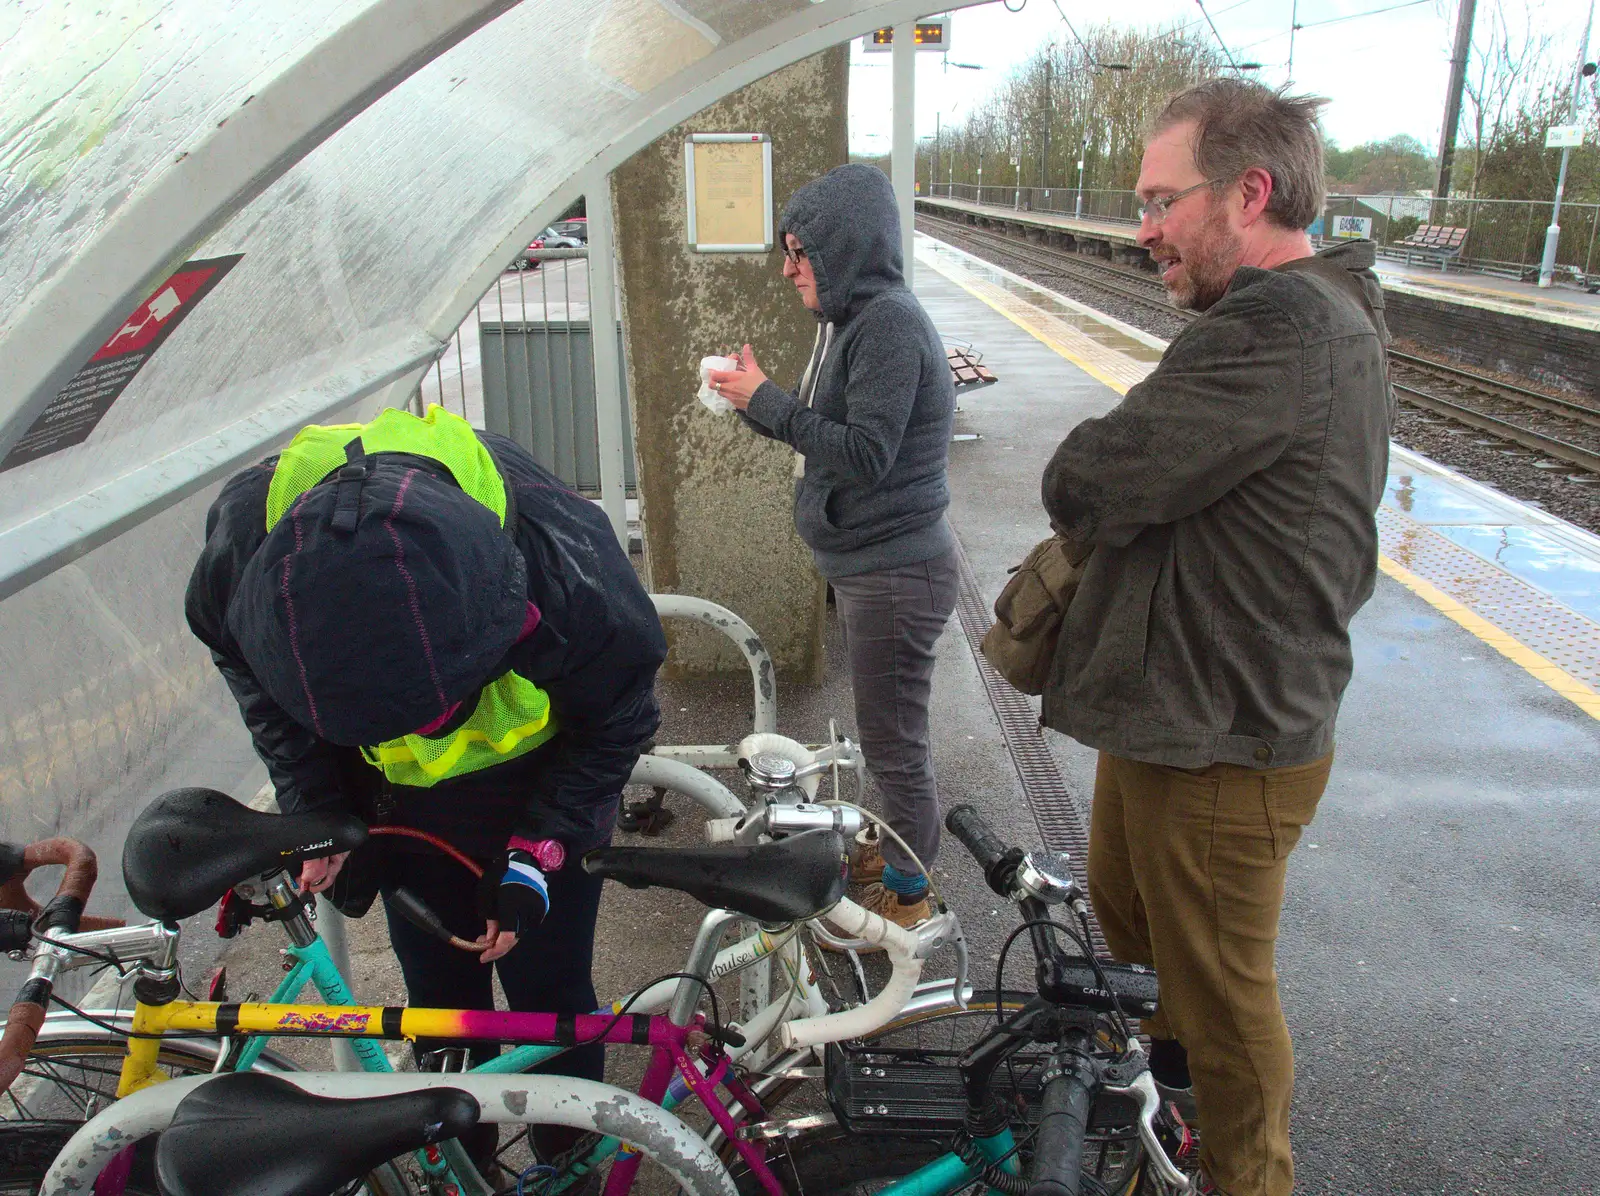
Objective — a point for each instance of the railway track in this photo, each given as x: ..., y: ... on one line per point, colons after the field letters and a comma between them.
x: 1565, y: 432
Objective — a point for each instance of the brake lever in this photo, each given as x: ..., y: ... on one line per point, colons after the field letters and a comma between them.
x: 1143, y: 1088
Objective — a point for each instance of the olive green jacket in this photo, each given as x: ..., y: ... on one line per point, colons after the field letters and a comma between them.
x: 1230, y: 498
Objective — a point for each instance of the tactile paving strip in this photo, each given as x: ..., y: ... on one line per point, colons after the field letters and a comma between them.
x: 1060, y: 821
x: 1555, y: 631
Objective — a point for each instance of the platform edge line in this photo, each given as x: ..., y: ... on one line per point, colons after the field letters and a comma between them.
x: 1536, y: 666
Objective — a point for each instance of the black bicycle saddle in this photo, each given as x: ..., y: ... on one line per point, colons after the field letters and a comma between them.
x: 248, y: 1132
x: 190, y: 846
x: 786, y: 881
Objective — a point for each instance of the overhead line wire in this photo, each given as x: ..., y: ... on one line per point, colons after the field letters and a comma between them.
x: 1220, y: 42
x: 1357, y: 15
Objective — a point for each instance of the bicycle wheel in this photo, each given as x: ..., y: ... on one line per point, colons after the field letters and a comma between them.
x: 68, y: 1078
x: 72, y: 1074
x: 936, y: 1038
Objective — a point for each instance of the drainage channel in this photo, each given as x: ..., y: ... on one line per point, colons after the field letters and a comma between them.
x: 1060, y: 823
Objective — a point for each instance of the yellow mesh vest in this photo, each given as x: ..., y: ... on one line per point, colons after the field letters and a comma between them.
x: 512, y: 716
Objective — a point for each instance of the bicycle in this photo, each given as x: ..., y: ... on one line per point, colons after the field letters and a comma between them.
x: 220, y: 841
x: 951, y: 1095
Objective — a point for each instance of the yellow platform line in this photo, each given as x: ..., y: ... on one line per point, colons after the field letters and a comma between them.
x: 1582, y: 696
x: 1034, y: 328
x: 1538, y: 667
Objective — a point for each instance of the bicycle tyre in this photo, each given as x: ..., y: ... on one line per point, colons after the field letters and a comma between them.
x: 945, y: 1027
x: 85, y: 1065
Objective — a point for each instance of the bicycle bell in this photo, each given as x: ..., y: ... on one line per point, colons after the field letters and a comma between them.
x: 769, y: 772
x: 1047, y: 876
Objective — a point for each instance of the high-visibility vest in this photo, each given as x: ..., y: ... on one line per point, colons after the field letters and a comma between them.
x: 512, y: 716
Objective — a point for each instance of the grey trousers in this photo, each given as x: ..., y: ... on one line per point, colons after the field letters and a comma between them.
x: 891, y: 621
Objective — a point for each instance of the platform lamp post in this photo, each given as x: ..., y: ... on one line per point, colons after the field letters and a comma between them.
x: 1083, y: 154
x: 1552, y: 235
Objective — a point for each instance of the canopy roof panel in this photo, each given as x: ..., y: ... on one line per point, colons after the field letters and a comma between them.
x: 357, y: 173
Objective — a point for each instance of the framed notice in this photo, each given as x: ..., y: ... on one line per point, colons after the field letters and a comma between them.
x: 728, y: 181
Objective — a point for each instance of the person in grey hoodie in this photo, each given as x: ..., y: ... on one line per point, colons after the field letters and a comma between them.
x: 870, y: 422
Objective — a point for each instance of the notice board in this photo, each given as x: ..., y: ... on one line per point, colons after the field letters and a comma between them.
x: 728, y: 182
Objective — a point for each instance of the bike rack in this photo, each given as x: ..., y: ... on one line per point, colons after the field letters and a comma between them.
x: 765, y: 713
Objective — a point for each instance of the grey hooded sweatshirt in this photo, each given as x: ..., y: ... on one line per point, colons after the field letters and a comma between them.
x: 872, y: 414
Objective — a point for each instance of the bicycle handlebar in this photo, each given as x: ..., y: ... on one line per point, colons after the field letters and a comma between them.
x: 1069, y: 1082
x: 999, y: 862
x: 900, y: 944
x: 62, y: 913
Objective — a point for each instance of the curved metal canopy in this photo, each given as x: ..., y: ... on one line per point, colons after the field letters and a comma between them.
x: 370, y: 164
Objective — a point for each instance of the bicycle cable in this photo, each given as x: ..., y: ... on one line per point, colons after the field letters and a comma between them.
x: 103, y: 957
x: 1084, y: 944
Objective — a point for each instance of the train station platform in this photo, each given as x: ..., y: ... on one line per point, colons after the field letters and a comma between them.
x: 1562, y: 306
x: 1441, y: 921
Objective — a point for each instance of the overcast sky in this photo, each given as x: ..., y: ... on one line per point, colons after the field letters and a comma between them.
x: 1385, y: 74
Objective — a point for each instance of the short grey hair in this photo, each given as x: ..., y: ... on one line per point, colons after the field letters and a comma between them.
x: 1239, y: 124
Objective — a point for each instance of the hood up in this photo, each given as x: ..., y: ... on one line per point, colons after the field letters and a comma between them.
x: 850, y: 227
x: 366, y: 633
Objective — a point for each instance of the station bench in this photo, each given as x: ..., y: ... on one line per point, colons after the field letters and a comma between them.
x: 1433, y: 240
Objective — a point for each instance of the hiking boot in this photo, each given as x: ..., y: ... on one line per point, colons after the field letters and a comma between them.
x: 866, y: 868
x: 895, y: 908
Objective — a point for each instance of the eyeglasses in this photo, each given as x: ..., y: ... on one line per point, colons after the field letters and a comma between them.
x: 794, y: 255
x: 1157, y: 208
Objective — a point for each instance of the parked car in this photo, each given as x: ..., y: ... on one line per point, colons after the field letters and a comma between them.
x: 577, y: 227
x: 524, y: 261
x: 555, y: 237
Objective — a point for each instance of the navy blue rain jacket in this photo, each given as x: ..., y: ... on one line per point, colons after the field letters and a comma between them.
x: 595, y: 652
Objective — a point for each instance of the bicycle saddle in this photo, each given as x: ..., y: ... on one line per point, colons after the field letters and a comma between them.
x: 248, y: 1132
x: 786, y: 881
x: 190, y: 846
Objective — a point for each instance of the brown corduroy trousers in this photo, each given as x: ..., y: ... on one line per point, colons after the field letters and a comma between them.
x: 1186, y: 872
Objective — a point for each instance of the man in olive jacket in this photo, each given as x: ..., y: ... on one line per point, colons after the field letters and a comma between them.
x: 1230, y: 502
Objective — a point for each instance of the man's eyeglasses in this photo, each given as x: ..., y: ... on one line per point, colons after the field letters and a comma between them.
x: 794, y: 254
x: 1156, y: 208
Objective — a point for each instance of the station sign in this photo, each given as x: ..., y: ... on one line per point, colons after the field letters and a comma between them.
x: 83, y: 402
x: 933, y: 35
x: 1352, y: 228
x: 1563, y: 137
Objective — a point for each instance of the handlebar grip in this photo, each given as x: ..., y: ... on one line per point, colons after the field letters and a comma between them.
x: 66, y: 907
x: 966, y: 824
x: 1064, y: 1118
x: 996, y: 859
x: 22, y: 1028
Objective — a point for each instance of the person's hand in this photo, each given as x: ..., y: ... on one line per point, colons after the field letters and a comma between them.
x: 513, y: 895
x: 737, y: 385
x: 499, y: 942
x: 317, y: 876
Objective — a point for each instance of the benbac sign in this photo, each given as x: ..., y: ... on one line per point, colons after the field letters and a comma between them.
x: 1351, y: 228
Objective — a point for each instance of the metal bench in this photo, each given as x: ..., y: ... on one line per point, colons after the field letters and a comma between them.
x: 1434, y: 240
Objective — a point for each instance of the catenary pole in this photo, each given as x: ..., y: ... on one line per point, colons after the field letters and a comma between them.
x: 1452, y: 97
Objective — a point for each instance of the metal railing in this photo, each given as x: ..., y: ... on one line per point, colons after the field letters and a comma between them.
x: 521, y: 364
x: 1504, y: 236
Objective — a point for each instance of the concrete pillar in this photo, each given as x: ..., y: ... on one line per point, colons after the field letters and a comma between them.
x: 716, y: 500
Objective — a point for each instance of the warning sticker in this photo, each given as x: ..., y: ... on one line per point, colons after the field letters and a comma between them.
x: 82, y: 403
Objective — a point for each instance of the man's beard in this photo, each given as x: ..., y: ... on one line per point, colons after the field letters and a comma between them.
x: 1208, y: 265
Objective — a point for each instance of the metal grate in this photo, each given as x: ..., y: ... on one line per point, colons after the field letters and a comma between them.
x: 1555, y: 631
x: 1060, y: 822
